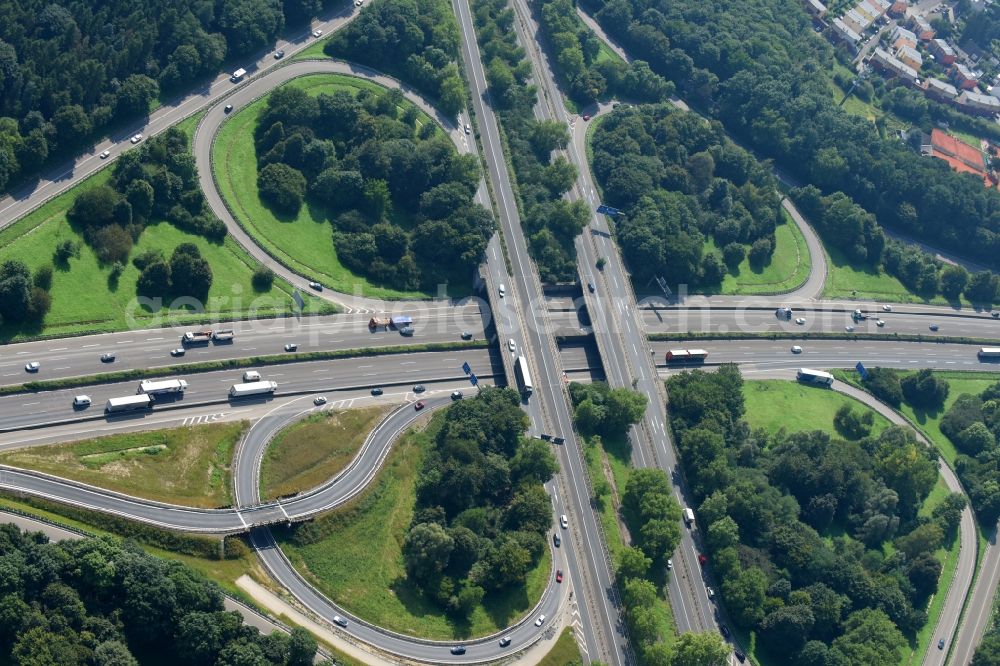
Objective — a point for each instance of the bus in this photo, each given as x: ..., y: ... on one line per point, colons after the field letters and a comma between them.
x: 815, y: 377
x: 128, y: 403
x: 523, y: 376
x: 686, y: 356
x: 989, y: 354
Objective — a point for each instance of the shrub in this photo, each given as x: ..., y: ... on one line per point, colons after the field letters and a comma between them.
x: 263, y: 278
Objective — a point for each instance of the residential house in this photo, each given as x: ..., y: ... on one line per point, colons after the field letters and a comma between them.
x: 943, y: 52
x: 940, y: 90
x: 890, y: 64
x: 847, y: 34
x: 898, y: 9
x: 922, y: 27
x: 964, y: 77
x: 983, y: 105
x: 911, y: 57
x: 902, y: 37
x: 857, y: 21
x: 816, y: 8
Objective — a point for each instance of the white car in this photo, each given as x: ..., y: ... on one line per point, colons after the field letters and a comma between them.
x: 502, y: 290
x: 849, y: 328
x: 104, y: 154
x: 800, y: 321
x: 33, y: 366
x: 317, y: 32
x: 670, y: 564
x: 136, y: 138
x: 711, y: 592
x: 81, y: 401
x: 886, y: 308
x: 339, y: 621
x: 468, y: 130
x: 511, y: 345
x: 564, y: 521
x: 538, y: 622
x: 796, y: 349
x: 879, y: 323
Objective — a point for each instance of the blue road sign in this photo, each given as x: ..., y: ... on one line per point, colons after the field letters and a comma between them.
x: 473, y: 379
x: 608, y: 210
x: 466, y: 368
x: 861, y: 370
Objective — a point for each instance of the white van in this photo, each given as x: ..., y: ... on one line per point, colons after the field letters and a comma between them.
x: 251, y: 376
x: 688, y: 516
x: 81, y: 401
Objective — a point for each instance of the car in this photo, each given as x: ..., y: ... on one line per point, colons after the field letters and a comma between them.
x: 995, y: 314
x: 540, y: 620
x: 586, y: 117
x: 670, y: 564
x: 228, y: 108
x: 32, y: 366
x: 419, y: 388
x: 886, y: 308
x: 711, y: 592
x: 940, y: 644
x: 724, y: 630
x: 800, y: 321
x: 783, y: 313
x: 502, y: 291
x: 108, y: 357
x: 558, y: 575
x: 279, y: 54
x: 458, y: 649
x: 556, y: 540
x: 796, y: 349
x: 376, y: 391
x: 564, y: 521
x: 180, y: 351
x: 419, y: 405
x: 505, y: 641
x: 317, y: 32
x: 456, y: 395
x: 406, y: 330
x: 740, y: 656
x: 702, y: 559
x: 104, y: 154
x: 590, y: 287
x: 316, y: 285
x: 291, y: 346
x: 849, y: 328
x: 319, y: 400
x: 358, y: 3
x: 339, y: 621
x: 81, y: 401
x: 468, y: 130
x: 933, y: 327
x: 879, y: 323
x: 466, y: 335
x: 136, y: 138
x: 511, y: 345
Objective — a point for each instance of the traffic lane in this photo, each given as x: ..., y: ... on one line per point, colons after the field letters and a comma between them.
x: 150, y: 348
x: 26, y: 409
x: 757, y: 321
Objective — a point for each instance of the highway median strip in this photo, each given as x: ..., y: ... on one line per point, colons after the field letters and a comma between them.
x: 235, y: 363
x: 833, y: 335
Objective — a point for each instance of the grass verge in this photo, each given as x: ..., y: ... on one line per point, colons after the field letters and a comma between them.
x: 788, y: 269
x: 794, y: 407
x: 303, y: 243
x: 314, y: 449
x: 188, y: 466
x: 358, y: 561
x: 564, y: 652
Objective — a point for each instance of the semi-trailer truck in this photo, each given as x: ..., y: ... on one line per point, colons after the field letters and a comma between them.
x: 128, y: 403
x: 196, y: 337
x: 252, y: 388
x: 153, y: 387
x: 690, y: 355
x: 989, y: 353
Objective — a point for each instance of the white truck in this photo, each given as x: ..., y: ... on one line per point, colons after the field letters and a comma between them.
x: 196, y: 337
x: 238, y: 75
x: 128, y: 403
x: 688, y: 516
x: 252, y: 388
x: 154, y: 387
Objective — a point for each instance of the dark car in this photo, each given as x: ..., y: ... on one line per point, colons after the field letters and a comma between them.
x: 339, y: 621
x: 291, y: 346
x: 420, y: 405
x: 556, y: 540
x: 941, y: 644
x: 458, y: 649
x: 933, y: 327
x: 702, y: 559
x: 466, y: 335
x: 376, y: 391
x: 316, y: 285
x: 107, y: 358
x: 740, y: 657
x: 180, y: 351
x: 456, y: 395
x: 505, y: 641
x: 590, y: 286
x: 229, y: 107
x: 558, y: 575
x: 419, y: 388
x: 279, y: 54
x: 724, y: 630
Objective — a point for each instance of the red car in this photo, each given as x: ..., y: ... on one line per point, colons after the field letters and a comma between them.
x: 558, y: 575
x: 586, y: 117
x: 418, y: 406
x: 702, y: 559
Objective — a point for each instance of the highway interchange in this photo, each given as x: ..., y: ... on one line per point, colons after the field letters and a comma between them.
x: 525, y: 315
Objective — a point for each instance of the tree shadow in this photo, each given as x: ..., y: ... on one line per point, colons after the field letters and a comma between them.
x: 418, y: 605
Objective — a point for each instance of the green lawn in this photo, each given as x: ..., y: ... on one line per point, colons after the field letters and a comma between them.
x: 304, y: 243
x: 313, y: 51
x: 564, y: 653
x: 188, y: 466
x: 358, y: 561
x: 776, y: 404
x: 789, y: 267
x: 313, y: 450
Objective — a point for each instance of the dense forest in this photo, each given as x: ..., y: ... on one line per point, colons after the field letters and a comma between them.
x: 399, y: 195
x: 415, y: 40
x: 678, y: 180
x: 156, y: 182
x: 482, y: 513
x: 69, y: 71
x: 817, y: 542
x: 101, y: 602
x: 756, y: 65
x: 586, y: 75
x: 551, y: 223
x: 972, y: 423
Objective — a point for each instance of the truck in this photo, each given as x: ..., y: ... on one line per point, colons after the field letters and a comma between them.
x: 783, y: 313
x: 688, y: 516
x: 989, y: 353
x: 523, y: 376
x: 858, y: 315
x: 686, y: 355
x: 238, y: 75
x: 252, y: 388
x: 401, y: 321
x: 376, y: 323
x: 153, y: 387
x: 129, y: 403
x: 196, y: 337
x: 808, y: 376
x: 224, y: 335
